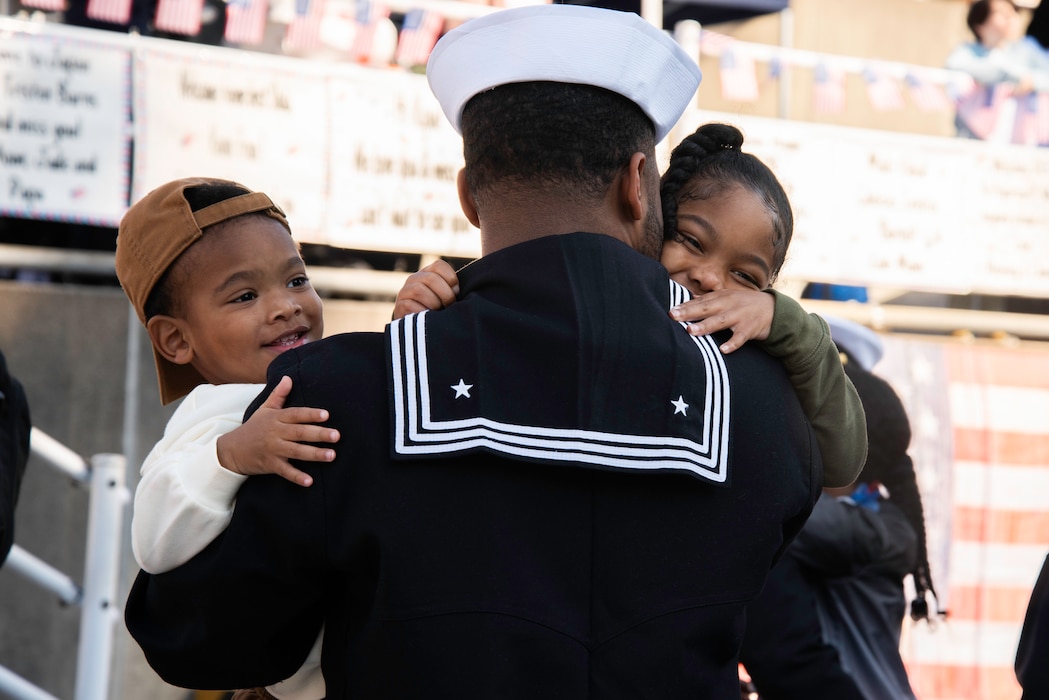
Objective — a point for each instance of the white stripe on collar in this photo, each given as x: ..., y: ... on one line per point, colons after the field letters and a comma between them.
x: 417, y: 432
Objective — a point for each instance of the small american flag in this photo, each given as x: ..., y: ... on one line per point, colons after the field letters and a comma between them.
x: 882, y: 90
x: 304, y: 32
x: 739, y: 78
x: 46, y: 5
x: 926, y: 95
x: 980, y: 107
x: 179, y: 16
x: 829, y: 89
x: 418, y: 35
x: 246, y: 21
x: 1031, y: 127
x: 368, y: 16
x: 112, y: 11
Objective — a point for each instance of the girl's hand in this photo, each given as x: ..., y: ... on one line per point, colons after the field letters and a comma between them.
x: 748, y: 313
x: 431, y: 288
x: 273, y: 435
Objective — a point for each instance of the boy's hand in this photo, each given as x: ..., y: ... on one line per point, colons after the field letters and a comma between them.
x: 748, y: 313
x: 431, y: 288
x: 273, y: 435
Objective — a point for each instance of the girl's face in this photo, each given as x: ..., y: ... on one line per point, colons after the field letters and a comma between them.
x: 724, y: 242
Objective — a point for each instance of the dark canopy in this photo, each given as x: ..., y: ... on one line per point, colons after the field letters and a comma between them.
x: 703, y: 11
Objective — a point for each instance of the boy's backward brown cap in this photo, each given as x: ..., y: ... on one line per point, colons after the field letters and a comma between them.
x: 154, y: 232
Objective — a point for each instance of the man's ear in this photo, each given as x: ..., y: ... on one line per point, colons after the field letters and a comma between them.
x: 167, y: 336
x: 632, y: 187
x: 466, y: 199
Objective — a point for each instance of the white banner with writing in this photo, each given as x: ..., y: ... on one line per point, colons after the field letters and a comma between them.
x: 225, y: 114
x: 65, y: 130
x: 394, y: 161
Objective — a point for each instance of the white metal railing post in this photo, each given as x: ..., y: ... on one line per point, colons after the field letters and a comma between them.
x: 20, y: 688
x: 99, y: 605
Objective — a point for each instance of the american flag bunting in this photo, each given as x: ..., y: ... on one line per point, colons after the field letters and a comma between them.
x: 739, y: 77
x: 46, y: 5
x: 829, y: 89
x: 112, y: 11
x: 926, y: 95
x: 418, y: 35
x: 882, y: 91
x: 980, y: 107
x: 368, y: 15
x: 304, y: 32
x: 179, y: 16
x: 246, y: 21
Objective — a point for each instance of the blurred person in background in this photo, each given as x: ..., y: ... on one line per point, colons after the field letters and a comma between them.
x: 1000, y: 57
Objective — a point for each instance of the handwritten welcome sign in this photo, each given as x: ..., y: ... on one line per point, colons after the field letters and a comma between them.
x: 225, y: 115
x: 64, y: 129
x: 394, y: 161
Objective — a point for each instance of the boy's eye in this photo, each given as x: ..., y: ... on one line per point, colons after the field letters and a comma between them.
x: 300, y: 281
x: 246, y: 296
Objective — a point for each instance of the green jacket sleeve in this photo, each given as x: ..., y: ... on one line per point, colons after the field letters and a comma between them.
x: 803, y: 343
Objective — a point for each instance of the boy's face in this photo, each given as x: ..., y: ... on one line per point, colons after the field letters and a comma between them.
x: 247, y: 300
x: 724, y: 242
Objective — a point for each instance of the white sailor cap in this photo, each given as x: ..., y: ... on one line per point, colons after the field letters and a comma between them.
x: 611, y: 49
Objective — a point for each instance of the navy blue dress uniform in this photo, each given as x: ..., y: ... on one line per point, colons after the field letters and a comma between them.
x: 549, y: 489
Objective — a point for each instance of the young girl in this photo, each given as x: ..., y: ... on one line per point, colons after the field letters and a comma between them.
x: 727, y: 226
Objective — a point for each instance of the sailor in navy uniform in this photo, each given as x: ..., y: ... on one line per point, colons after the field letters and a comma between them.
x: 548, y: 490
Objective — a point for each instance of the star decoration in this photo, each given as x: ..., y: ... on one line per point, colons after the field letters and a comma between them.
x: 462, y: 388
x: 680, y: 406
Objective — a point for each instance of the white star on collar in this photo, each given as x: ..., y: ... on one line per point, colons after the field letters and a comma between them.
x: 462, y: 388
x: 680, y: 406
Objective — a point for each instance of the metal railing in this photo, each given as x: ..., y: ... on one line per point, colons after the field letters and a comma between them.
x: 104, y: 474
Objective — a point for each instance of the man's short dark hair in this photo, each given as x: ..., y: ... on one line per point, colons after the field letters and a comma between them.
x: 547, y: 134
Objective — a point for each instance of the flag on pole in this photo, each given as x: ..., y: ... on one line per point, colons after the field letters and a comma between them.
x: 304, y: 31
x: 179, y: 16
x: 368, y: 15
x: 418, y: 35
x: 46, y: 5
x: 112, y: 11
x: 882, y: 90
x: 246, y: 21
x: 739, y: 77
x: 829, y: 89
x: 926, y: 95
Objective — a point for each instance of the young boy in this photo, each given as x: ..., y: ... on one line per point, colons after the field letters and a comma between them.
x: 217, y: 280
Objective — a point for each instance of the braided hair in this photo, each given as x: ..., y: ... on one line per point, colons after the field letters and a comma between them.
x: 710, y: 161
x: 889, y: 436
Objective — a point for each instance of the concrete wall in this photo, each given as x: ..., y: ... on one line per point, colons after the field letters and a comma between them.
x: 68, y: 346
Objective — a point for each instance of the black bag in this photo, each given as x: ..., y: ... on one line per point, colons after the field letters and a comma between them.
x: 15, y: 425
